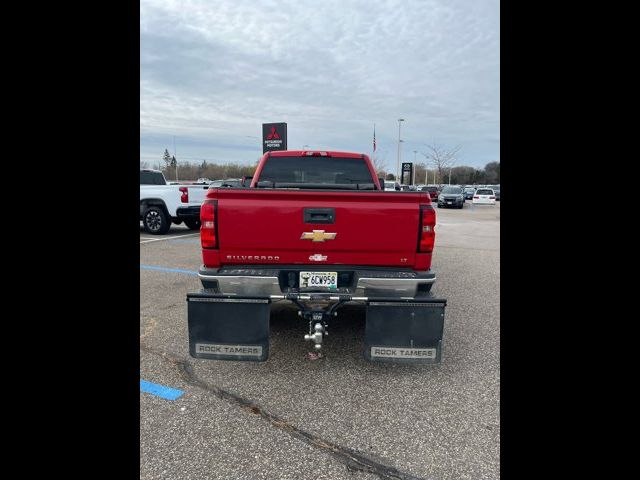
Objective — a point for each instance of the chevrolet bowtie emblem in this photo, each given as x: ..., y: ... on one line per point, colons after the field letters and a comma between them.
x: 318, y: 236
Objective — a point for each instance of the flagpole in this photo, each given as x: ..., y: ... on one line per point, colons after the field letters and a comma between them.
x: 374, y: 142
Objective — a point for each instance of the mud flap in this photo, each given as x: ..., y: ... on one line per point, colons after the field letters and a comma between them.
x: 404, y: 331
x: 222, y: 327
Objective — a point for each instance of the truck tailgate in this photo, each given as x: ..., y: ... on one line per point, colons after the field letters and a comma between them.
x: 256, y: 226
x: 197, y: 193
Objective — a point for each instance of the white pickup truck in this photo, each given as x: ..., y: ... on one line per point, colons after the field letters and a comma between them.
x: 162, y: 204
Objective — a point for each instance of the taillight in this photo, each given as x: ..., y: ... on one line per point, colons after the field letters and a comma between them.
x: 208, y: 230
x: 427, y: 229
x: 476, y: 197
x: 184, y: 198
x: 492, y: 197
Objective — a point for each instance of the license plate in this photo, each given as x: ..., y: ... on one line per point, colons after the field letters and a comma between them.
x: 449, y: 203
x: 319, y: 279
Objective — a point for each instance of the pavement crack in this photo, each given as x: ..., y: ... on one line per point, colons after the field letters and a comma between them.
x: 352, y: 459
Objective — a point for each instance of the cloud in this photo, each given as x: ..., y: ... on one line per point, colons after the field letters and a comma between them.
x: 213, y: 72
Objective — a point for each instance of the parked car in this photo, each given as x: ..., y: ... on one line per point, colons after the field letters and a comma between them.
x: 496, y: 190
x: 162, y: 204
x: 451, y: 197
x: 484, y: 196
x: 307, y: 231
x: 432, y: 190
x: 230, y: 182
x: 389, y: 186
x: 468, y: 193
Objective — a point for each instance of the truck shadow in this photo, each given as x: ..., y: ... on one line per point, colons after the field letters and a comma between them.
x: 286, y: 323
x: 344, y: 342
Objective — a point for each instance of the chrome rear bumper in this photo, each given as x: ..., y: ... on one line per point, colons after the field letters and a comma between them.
x: 265, y: 285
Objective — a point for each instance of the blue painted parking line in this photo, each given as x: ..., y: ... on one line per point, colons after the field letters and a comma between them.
x: 169, y: 270
x: 161, y: 391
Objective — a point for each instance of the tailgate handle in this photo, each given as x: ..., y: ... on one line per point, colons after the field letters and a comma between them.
x: 319, y: 215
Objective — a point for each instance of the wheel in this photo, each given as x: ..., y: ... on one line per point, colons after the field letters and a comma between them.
x: 193, y: 224
x: 156, y: 221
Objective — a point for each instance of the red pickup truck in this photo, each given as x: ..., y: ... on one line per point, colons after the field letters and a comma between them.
x: 316, y: 229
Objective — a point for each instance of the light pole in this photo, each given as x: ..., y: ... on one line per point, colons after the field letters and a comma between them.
x: 400, y: 120
x: 414, y: 166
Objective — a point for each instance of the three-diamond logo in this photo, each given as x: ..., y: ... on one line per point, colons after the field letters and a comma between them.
x: 273, y: 135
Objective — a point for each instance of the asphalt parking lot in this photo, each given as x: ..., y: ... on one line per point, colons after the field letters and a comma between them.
x: 339, y: 417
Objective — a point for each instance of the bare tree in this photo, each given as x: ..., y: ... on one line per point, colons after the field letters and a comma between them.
x: 492, y: 172
x: 144, y: 164
x: 419, y: 173
x: 166, y: 158
x: 379, y: 164
x: 442, y: 158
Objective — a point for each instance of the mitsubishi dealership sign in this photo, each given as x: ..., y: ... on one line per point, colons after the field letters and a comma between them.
x: 274, y: 137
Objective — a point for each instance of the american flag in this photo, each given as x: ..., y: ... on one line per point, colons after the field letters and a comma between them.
x: 374, y: 137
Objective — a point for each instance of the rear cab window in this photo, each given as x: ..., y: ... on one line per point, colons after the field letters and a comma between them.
x: 152, y: 178
x: 316, y: 172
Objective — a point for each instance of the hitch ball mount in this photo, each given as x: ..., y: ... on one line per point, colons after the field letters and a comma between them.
x: 317, y: 309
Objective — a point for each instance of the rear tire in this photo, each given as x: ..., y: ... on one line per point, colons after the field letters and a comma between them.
x: 156, y: 221
x: 192, y: 224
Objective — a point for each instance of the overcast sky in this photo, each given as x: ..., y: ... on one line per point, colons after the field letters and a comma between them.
x: 211, y: 72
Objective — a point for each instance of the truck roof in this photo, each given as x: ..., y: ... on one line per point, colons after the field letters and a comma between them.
x: 328, y: 153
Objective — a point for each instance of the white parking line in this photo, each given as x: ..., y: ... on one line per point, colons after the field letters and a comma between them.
x: 168, y: 238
